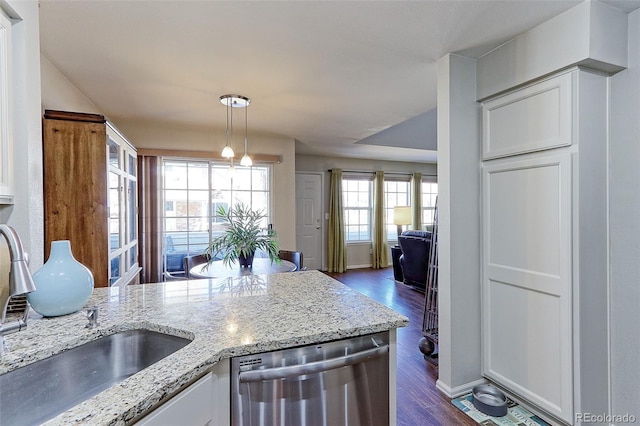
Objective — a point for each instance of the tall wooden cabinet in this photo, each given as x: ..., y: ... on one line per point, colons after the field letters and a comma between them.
x: 90, y: 194
x: 544, y: 243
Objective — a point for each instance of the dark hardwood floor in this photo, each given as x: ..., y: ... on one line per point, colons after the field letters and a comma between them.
x: 419, y: 402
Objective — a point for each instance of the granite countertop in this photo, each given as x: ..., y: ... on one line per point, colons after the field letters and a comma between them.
x: 225, y: 318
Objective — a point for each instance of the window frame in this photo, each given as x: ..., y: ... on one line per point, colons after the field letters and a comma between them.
x: 195, y: 244
x: 369, y: 209
x: 428, y: 211
x: 391, y: 229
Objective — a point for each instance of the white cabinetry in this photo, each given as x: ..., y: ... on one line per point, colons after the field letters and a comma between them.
x: 6, y: 131
x: 544, y: 244
x: 123, y: 208
x: 531, y: 119
x: 191, y: 407
x: 205, y: 402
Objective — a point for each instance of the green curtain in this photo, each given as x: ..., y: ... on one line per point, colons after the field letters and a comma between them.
x: 336, y: 247
x: 416, y: 198
x: 380, y: 247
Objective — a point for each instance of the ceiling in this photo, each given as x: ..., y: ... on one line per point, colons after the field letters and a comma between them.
x: 327, y: 73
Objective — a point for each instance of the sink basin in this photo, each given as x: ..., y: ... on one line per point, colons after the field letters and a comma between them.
x: 41, y: 390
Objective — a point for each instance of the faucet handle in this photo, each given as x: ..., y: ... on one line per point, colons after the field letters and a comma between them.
x: 92, y: 316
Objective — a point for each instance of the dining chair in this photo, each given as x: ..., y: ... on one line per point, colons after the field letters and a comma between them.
x: 174, y: 276
x: 295, y: 257
x: 194, y: 260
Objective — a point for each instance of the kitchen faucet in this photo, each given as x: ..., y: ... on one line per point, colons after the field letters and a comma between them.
x: 92, y: 316
x: 20, y: 282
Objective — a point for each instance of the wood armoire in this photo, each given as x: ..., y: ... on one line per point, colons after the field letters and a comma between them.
x: 90, y: 194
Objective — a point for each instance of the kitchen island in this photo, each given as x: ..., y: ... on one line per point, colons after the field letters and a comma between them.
x: 224, y: 318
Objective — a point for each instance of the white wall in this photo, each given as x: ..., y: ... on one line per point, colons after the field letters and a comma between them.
x: 26, y: 214
x: 358, y: 254
x: 624, y: 227
x: 59, y: 93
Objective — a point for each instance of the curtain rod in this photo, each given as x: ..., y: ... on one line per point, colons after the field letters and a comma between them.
x: 386, y: 173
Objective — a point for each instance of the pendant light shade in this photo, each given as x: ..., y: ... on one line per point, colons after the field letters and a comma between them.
x: 227, y: 152
x: 246, y: 161
x: 236, y: 101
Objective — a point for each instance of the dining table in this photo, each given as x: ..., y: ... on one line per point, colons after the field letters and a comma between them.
x: 260, y: 265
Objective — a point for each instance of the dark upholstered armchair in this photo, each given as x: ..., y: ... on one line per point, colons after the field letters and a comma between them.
x: 414, y: 260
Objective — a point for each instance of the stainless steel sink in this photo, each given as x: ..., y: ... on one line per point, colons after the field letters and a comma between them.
x: 39, y: 391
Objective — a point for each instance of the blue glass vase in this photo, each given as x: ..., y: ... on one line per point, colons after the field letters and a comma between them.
x: 63, y: 285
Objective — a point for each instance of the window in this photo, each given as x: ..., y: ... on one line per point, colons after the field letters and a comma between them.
x: 193, y: 191
x: 249, y: 185
x: 357, y: 200
x: 429, y: 195
x: 397, y: 193
x: 357, y: 195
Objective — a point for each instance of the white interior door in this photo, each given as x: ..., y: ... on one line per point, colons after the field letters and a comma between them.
x: 309, y: 218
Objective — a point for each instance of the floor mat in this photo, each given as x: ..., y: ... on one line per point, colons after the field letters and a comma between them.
x: 516, y: 414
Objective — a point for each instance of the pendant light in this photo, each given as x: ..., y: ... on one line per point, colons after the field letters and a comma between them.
x: 227, y: 151
x: 246, y: 160
x: 233, y: 101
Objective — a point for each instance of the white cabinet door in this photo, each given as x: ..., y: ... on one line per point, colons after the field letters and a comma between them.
x: 535, y: 118
x: 206, y: 402
x: 527, y: 279
x: 192, y: 406
x: 123, y: 209
x: 6, y: 131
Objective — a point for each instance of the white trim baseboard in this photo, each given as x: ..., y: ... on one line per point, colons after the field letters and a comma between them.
x: 458, y: 390
x: 359, y: 266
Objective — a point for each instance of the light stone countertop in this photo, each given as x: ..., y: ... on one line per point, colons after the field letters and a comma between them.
x: 225, y: 318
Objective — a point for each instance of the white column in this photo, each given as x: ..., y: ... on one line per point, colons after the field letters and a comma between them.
x: 459, y: 147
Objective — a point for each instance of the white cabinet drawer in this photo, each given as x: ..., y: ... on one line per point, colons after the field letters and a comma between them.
x: 531, y: 119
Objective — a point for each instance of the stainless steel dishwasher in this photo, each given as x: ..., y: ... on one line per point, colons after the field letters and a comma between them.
x: 344, y: 382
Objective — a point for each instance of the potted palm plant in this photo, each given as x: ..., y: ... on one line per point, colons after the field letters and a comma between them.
x: 243, y: 236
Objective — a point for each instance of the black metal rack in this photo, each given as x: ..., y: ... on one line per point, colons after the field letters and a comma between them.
x: 428, y: 344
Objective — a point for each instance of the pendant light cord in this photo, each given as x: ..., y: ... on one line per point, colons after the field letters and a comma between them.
x: 231, y: 107
x: 245, y: 129
x: 227, y: 124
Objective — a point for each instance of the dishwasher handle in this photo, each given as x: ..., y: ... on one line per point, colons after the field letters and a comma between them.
x: 312, y: 367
